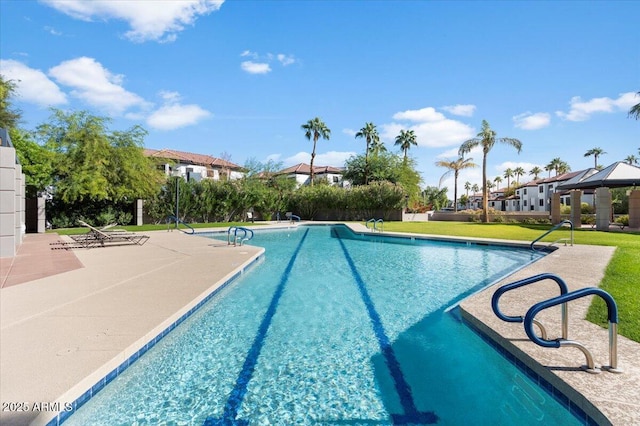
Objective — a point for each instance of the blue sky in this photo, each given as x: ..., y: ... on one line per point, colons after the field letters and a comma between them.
x: 239, y: 78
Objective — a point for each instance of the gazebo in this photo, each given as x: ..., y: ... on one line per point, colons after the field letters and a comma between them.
x: 617, y: 175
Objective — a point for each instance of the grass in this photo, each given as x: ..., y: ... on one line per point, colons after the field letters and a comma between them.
x: 160, y: 227
x: 621, y: 279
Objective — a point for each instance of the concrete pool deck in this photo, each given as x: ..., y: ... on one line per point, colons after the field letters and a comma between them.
x: 61, y: 333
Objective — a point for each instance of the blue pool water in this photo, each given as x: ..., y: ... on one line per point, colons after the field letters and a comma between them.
x: 334, y: 328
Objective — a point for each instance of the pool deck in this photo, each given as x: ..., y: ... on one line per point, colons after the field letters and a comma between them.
x: 70, y: 317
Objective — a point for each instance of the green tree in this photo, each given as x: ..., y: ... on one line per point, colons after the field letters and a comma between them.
x: 467, y: 187
x: 370, y: 135
x: 535, y: 172
x: 508, y: 175
x: 435, y: 197
x: 313, y: 130
x: 498, y: 181
x: 405, y: 139
x: 9, y: 116
x: 36, y: 161
x: 596, y: 152
x: 455, y: 166
x: 92, y: 163
x: 486, y: 139
x: 631, y: 159
x: 635, y: 110
x: 518, y: 171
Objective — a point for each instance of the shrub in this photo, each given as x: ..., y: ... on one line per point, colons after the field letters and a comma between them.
x: 623, y: 219
x: 586, y: 208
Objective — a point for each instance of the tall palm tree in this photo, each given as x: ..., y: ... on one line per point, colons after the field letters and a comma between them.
x: 455, y: 166
x: 498, y: 181
x: 475, y: 188
x: 377, y: 146
x: 315, y: 129
x: 631, y: 159
x: 508, y: 175
x: 554, y: 164
x: 535, y: 172
x: 596, y: 152
x: 635, y: 111
x: 405, y: 139
x: 518, y: 171
x: 467, y: 187
x: 562, y: 168
x: 486, y: 139
x: 370, y: 135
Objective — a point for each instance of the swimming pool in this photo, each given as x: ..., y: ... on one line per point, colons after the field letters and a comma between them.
x: 334, y: 328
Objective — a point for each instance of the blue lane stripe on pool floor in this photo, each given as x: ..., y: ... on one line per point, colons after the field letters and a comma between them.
x: 411, y: 414
x: 239, y: 391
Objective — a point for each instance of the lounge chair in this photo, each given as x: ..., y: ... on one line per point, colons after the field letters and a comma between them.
x: 102, y: 237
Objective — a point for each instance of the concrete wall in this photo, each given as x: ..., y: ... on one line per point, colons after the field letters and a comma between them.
x: 467, y: 217
x: 35, y: 215
x: 12, y: 203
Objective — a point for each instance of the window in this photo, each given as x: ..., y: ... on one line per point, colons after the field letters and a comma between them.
x: 541, y: 203
x: 525, y: 191
x: 540, y: 189
x: 525, y: 203
x: 336, y: 179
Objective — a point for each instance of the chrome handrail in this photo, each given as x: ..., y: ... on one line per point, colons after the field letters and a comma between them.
x: 550, y: 231
x: 612, y: 316
x: 178, y: 221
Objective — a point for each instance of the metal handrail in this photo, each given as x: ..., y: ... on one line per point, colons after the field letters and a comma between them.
x: 526, y: 281
x: 178, y: 221
x: 375, y: 224
x: 550, y: 231
x: 372, y: 221
x: 242, y: 239
x: 612, y: 316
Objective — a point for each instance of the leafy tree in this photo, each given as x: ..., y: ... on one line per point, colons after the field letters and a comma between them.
x: 405, y: 139
x: 383, y: 167
x: 596, y: 152
x: 370, y: 134
x: 315, y: 129
x: 455, y: 166
x: 486, y: 139
x: 535, y: 172
x: 435, y: 197
x: 498, y: 181
x: 518, y: 171
x: 631, y: 159
x: 467, y: 187
x: 635, y: 110
x: 557, y: 164
x: 9, y: 116
x: 508, y: 175
x: 36, y: 161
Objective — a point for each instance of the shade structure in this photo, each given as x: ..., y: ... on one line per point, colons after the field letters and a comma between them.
x: 619, y: 174
x: 569, y: 184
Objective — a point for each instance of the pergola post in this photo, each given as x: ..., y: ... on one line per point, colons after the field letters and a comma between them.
x: 576, y: 205
x: 555, y: 208
x: 634, y: 209
x: 603, y: 208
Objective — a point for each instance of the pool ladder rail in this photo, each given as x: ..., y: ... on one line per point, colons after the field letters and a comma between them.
x: 177, y: 221
x: 374, y: 223
x: 247, y: 234
x: 565, y: 296
x: 559, y: 225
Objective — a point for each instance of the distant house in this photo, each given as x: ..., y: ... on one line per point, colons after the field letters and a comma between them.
x: 536, y: 195
x: 194, y: 166
x: 302, y: 174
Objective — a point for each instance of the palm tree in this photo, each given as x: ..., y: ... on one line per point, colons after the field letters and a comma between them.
x: 455, y: 166
x: 405, y: 139
x: 596, y: 152
x: 635, y: 111
x: 314, y: 129
x: 518, y: 171
x: 475, y: 188
x: 562, y: 168
x: 486, y: 138
x: 498, y: 181
x: 554, y: 165
x: 377, y: 147
x: 508, y: 174
x: 535, y: 172
x: 467, y: 187
x: 631, y: 159
x: 370, y: 134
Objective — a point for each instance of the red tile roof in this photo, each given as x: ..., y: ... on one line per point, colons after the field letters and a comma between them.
x: 305, y: 169
x: 189, y: 157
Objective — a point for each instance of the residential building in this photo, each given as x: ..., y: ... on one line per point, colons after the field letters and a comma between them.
x: 536, y: 195
x: 194, y: 166
x: 302, y: 173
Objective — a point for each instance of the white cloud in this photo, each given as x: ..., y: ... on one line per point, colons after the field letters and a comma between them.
x: 52, y: 31
x: 433, y: 129
x: 463, y: 110
x: 149, y: 20
x: 95, y: 85
x: 285, y: 59
x: 582, y: 110
x: 172, y: 115
x: 32, y: 85
x: 350, y: 132
x: 531, y: 121
x: 255, y: 67
x: 331, y: 158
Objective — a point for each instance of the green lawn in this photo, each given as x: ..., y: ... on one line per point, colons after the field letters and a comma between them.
x: 621, y: 280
